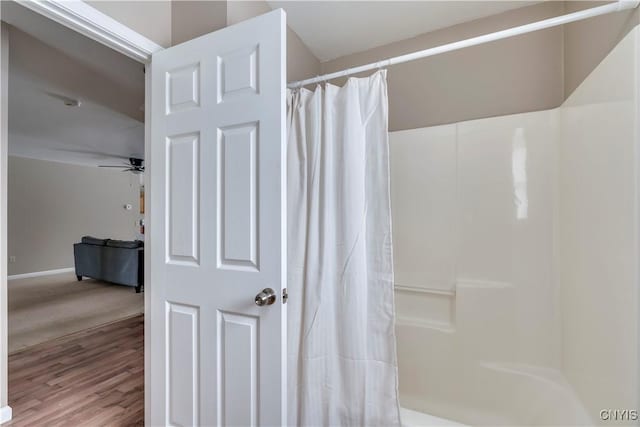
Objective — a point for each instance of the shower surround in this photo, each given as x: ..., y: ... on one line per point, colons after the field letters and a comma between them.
x: 516, y: 258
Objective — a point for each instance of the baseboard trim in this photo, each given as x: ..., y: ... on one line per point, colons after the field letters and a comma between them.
x: 5, y: 414
x: 41, y: 273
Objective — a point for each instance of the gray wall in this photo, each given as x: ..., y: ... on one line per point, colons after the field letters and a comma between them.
x: 190, y: 19
x: 586, y: 43
x: 52, y: 205
x: 532, y: 72
x: 509, y: 76
x: 152, y: 19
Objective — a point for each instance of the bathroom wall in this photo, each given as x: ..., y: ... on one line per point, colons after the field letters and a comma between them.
x: 509, y: 76
x: 193, y: 18
x: 515, y: 245
x: 526, y: 73
x: 598, y: 232
x: 588, y: 42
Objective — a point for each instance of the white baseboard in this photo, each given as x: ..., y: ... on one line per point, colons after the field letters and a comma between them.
x: 5, y: 414
x: 41, y: 273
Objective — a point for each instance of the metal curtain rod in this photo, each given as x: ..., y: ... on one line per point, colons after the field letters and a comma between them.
x: 474, y: 41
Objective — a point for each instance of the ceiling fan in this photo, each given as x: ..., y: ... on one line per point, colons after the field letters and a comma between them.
x: 135, y: 166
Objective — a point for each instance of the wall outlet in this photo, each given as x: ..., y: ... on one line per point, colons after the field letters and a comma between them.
x: 12, y: 259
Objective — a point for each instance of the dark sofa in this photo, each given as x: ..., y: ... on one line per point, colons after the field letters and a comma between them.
x: 115, y: 261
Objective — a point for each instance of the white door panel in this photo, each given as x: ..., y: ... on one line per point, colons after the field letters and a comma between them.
x: 218, y: 228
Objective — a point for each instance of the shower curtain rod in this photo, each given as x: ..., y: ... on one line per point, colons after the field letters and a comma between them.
x: 474, y: 41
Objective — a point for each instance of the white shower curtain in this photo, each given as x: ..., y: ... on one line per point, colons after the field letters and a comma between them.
x: 342, y: 348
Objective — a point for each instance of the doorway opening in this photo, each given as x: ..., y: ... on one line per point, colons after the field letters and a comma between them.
x: 76, y: 226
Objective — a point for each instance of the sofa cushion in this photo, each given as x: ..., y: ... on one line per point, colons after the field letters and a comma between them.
x: 129, y: 244
x: 94, y: 241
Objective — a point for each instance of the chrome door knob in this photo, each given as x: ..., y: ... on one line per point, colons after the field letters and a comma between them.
x: 266, y: 297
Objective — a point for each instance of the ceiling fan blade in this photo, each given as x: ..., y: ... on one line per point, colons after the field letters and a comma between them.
x: 67, y: 100
x: 125, y: 168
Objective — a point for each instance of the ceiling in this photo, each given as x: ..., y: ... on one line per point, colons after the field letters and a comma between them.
x: 49, y: 63
x: 332, y: 29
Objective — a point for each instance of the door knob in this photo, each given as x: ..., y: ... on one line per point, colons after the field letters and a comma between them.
x: 266, y: 297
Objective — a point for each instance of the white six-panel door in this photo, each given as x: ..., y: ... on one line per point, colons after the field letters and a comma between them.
x: 218, y: 228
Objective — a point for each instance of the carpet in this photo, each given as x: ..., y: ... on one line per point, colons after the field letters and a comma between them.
x: 48, y: 307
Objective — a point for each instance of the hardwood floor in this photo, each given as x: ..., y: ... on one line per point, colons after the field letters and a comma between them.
x: 92, y: 378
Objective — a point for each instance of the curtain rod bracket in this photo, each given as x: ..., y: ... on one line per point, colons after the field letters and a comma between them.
x: 627, y: 4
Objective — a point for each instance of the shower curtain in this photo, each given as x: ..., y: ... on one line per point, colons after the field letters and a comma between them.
x: 342, y: 355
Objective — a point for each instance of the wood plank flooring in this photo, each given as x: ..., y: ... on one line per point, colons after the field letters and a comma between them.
x: 91, y: 378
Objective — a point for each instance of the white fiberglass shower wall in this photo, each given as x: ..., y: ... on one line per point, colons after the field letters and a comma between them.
x: 516, y: 259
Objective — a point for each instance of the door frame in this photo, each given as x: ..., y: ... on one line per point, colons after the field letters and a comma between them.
x: 90, y: 22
